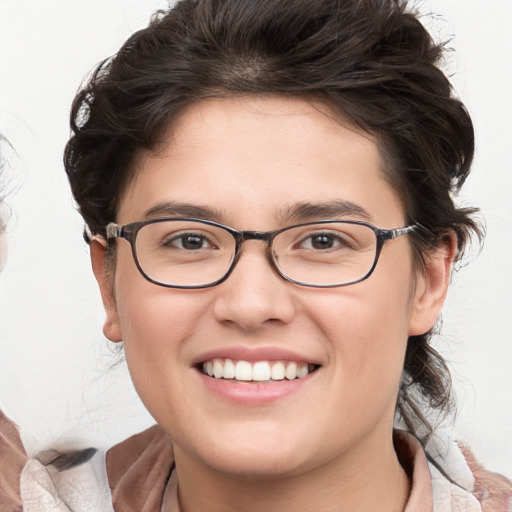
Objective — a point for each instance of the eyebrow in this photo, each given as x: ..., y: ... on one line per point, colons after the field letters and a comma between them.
x: 175, y: 209
x: 300, y: 212
x: 332, y: 209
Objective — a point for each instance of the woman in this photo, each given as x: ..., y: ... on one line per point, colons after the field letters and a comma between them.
x: 267, y: 189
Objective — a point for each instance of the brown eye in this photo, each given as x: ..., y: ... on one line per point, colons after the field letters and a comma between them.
x: 322, y: 242
x: 188, y: 242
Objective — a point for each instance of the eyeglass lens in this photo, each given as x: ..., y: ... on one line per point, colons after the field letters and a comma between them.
x: 192, y: 253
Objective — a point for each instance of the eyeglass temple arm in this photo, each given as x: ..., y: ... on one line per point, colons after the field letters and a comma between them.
x: 391, y: 234
x: 114, y: 231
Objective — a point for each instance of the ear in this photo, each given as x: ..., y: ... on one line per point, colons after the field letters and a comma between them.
x: 111, y: 327
x: 432, y: 286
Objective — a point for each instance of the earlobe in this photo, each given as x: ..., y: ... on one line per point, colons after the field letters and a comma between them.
x: 111, y: 327
x: 432, y: 286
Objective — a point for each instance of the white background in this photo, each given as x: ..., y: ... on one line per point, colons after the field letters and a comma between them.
x: 56, y: 375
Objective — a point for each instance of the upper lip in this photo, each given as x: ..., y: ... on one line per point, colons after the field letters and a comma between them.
x: 252, y: 355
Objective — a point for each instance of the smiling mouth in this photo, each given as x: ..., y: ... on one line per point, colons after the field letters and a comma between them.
x: 259, y: 371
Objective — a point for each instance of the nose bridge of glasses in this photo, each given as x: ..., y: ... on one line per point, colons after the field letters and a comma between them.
x: 264, y: 236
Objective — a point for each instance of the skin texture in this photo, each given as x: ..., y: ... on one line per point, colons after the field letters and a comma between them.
x: 251, y: 160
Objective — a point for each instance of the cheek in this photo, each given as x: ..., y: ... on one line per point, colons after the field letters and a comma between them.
x: 156, y: 324
x: 159, y: 322
x: 156, y: 331
x: 367, y: 332
x: 150, y: 314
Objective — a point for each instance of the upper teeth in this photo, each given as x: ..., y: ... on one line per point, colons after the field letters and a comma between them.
x: 258, y: 371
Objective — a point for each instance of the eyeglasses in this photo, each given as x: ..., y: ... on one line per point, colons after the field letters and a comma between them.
x: 196, y: 253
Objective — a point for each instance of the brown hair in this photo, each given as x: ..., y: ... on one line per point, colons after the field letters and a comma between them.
x: 372, y: 60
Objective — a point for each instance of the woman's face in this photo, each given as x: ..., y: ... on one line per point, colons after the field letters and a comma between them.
x: 253, y: 161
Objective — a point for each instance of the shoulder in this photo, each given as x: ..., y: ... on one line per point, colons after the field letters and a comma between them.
x: 71, y: 481
x: 493, y: 490
x: 130, y: 476
x: 459, y: 478
x: 74, y: 481
x: 138, y: 470
x: 12, y: 460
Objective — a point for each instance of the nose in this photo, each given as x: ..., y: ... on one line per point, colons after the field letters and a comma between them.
x: 254, y: 294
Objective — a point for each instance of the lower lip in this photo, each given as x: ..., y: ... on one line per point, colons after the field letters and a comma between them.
x: 254, y: 393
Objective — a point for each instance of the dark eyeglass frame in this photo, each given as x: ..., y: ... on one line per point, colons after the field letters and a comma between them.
x: 129, y: 233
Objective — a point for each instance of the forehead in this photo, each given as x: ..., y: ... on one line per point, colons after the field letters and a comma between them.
x: 260, y: 154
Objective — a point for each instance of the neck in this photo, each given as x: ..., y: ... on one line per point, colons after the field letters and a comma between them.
x: 372, y: 479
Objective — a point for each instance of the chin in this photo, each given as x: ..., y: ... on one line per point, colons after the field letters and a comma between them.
x: 258, y: 465
x: 253, y: 453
